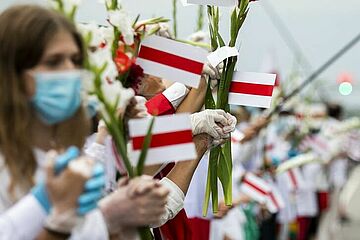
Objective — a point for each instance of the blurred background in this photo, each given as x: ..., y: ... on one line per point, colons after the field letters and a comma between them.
x: 292, y: 38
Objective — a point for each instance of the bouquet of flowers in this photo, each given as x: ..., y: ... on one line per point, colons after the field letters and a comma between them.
x: 220, y: 162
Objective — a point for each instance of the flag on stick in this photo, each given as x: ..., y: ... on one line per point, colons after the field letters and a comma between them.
x: 171, y: 139
x: 252, y: 89
x: 172, y: 60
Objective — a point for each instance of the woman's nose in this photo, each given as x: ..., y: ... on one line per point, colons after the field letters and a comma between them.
x: 68, y: 64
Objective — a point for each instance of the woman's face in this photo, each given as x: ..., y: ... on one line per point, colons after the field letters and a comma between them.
x: 61, y: 54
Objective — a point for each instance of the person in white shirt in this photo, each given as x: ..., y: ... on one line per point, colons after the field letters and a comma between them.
x: 41, y: 109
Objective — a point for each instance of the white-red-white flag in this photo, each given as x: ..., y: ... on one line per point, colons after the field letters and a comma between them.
x: 294, y: 179
x: 316, y: 143
x: 252, y: 89
x: 275, y: 201
x: 171, y: 139
x: 172, y: 60
x: 255, y: 187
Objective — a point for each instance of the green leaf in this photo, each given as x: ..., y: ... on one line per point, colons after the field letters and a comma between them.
x: 72, y: 14
x: 145, y: 148
x: 224, y: 86
x: 213, y: 165
x: 209, y: 100
x: 200, y: 20
x: 221, y: 40
x: 207, y: 194
x: 233, y: 23
x: 223, y: 79
x: 196, y: 44
x: 174, y: 13
x: 225, y: 172
x: 136, y: 20
x: 145, y: 233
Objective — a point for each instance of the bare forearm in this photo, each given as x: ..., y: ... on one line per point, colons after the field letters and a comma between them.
x: 152, y: 170
x: 194, y: 100
x: 183, y: 172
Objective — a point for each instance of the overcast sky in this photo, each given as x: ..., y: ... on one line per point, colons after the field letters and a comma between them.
x: 320, y: 27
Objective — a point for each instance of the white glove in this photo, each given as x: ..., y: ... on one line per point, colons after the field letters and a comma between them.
x: 140, y: 107
x: 232, y: 123
x: 217, y: 123
x: 199, y: 36
x: 227, y: 129
x: 213, y: 73
x: 164, y: 30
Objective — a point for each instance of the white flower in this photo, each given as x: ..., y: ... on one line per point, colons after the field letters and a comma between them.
x: 107, y: 34
x: 96, y: 32
x: 121, y: 20
x: 101, y: 57
x: 88, y: 81
x: 114, y: 91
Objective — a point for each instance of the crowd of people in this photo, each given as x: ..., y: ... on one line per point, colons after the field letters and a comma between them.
x: 61, y: 178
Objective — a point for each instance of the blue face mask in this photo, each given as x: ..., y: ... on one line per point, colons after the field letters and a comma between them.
x: 58, y: 95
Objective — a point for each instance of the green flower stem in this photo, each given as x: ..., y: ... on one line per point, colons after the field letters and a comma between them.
x: 220, y: 161
x: 174, y: 14
x: 200, y: 21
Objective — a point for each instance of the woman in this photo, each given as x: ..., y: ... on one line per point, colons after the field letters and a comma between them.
x: 40, y: 107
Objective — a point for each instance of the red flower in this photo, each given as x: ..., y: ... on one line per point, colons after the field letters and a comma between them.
x: 122, y: 61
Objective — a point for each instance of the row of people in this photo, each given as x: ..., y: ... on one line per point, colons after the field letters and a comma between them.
x: 52, y: 186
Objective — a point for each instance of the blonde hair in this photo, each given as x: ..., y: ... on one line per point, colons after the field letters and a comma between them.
x: 25, y: 31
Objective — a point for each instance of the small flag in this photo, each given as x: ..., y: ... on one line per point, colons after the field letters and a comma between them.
x: 172, y: 60
x: 168, y: 101
x: 171, y: 139
x: 275, y: 201
x: 316, y: 143
x: 255, y: 187
x: 294, y: 179
x: 252, y: 89
x: 159, y: 105
x: 220, y: 3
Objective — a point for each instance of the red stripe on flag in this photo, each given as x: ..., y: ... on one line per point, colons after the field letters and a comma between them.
x: 293, y: 179
x: 254, y: 186
x: 164, y: 139
x: 170, y: 60
x: 251, y: 88
x: 273, y: 199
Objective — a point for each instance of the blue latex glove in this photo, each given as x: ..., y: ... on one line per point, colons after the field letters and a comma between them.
x: 93, y: 191
x: 61, y: 162
x: 40, y: 193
